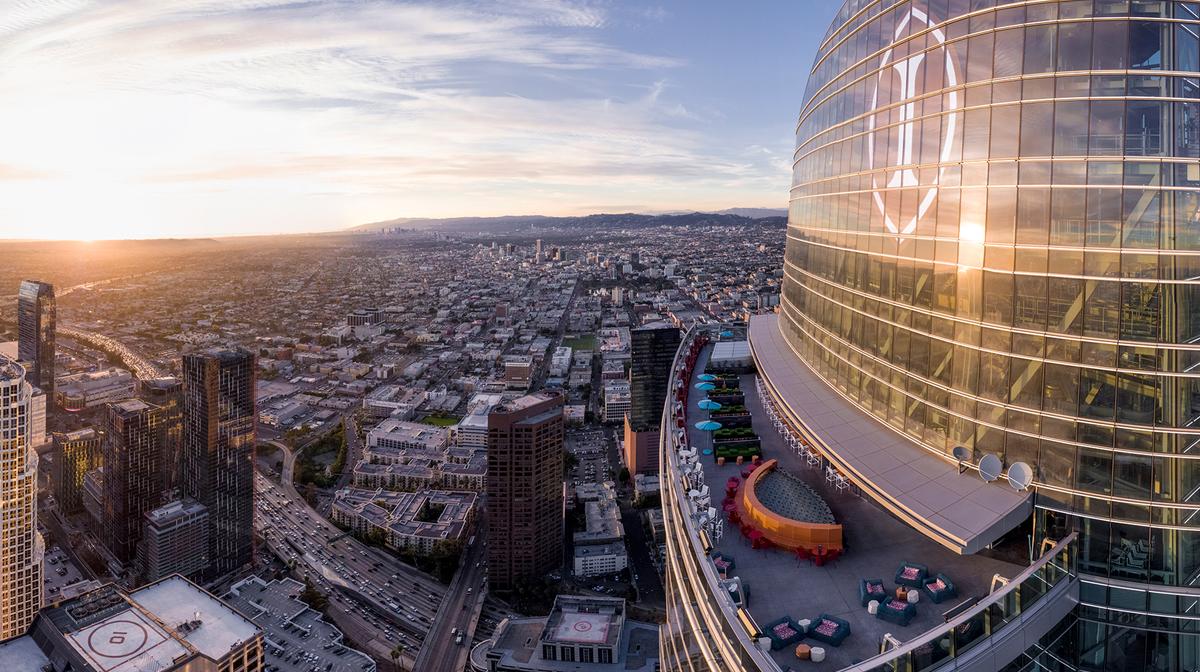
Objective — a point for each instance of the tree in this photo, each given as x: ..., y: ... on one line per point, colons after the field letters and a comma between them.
x: 623, y: 475
x: 395, y: 653
x: 313, y: 597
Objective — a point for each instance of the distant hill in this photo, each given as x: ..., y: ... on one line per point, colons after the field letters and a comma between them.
x: 513, y: 223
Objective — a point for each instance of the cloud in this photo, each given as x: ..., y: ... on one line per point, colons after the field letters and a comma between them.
x: 402, y: 101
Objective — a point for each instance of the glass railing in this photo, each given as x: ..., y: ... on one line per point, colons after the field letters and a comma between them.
x: 988, y: 618
x: 731, y: 642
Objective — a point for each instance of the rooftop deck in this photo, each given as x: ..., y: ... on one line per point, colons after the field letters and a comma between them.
x: 875, y: 544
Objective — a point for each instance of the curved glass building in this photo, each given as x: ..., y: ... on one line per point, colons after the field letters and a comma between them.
x: 994, y: 250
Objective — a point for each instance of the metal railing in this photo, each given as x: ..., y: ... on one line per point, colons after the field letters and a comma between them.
x: 716, y: 617
x: 988, y: 618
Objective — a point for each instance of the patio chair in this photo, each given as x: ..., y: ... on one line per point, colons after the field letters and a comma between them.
x: 871, y: 589
x: 829, y: 629
x: 783, y: 632
x: 940, y: 588
x: 896, y: 611
x: 911, y: 574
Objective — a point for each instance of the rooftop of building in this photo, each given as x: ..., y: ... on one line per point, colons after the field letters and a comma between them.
x: 412, y: 432
x: 208, y: 624
x: 175, y: 510
x: 579, y: 621
x: 148, y: 630
x: 876, y: 543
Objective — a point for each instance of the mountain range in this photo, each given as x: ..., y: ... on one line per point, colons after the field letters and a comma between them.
x: 769, y: 217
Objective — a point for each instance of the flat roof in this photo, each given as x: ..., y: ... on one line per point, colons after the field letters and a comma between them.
x: 22, y: 653
x: 959, y: 511
x: 176, y: 601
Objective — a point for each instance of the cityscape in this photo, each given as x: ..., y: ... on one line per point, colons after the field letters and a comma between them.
x: 937, y: 413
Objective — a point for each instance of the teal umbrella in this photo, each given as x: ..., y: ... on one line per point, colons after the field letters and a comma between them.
x: 705, y: 386
x: 708, y: 425
x: 709, y: 405
x: 706, y: 377
x: 726, y: 334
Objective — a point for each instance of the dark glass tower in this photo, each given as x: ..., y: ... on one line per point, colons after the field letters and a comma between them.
x: 525, y: 489
x: 36, y: 315
x: 137, y: 443
x: 218, y: 451
x: 652, y: 348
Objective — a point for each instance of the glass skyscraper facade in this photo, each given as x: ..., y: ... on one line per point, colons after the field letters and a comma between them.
x: 36, y: 317
x: 994, y: 243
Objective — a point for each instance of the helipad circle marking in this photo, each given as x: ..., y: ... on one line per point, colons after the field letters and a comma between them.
x: 117, y: 639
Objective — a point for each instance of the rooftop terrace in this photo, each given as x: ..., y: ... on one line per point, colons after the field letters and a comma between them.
x: 876, y: 543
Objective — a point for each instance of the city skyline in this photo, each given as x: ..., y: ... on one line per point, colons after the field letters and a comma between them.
x: 213, y: 120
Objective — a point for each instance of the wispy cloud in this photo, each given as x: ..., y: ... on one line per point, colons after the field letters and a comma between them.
x: 403, y: 102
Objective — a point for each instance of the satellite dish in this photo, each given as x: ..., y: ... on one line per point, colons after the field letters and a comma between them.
x: 990, y: 467
x: 962, y: 454
x: 1020, y: 475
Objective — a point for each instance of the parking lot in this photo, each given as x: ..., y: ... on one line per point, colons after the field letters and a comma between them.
x: 295, y: 639
x: 61, y: 574
x: 591, y: 450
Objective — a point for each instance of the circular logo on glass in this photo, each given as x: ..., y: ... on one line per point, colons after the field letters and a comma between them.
x: 893, y: 143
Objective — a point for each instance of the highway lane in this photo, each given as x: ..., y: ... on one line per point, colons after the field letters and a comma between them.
x: 141, y: 367
x: 384, y: 601
x: 459, y: 612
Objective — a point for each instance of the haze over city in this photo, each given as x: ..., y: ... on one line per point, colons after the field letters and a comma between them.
x: 186, y: 119
x: 599, y: 336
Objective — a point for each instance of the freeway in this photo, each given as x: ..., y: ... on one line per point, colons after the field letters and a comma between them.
x: 459, y: 612
x: 141, y: 367
x: 390, y: 603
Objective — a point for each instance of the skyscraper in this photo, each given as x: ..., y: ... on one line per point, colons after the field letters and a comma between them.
x: 36, y: 317
x: 77, y: 453
x: 525, y: 489
x: 218, y: 451
x: 990, y: 263
x: 652, y: 349
x: 21, y: 549
x: 138, y: 442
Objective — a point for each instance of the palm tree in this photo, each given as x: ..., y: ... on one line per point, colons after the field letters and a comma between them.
x: 396, y: 657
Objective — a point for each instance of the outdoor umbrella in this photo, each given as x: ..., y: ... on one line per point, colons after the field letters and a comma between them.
x: 707, y: 377
x: 709, y: 405
x: 705, y: 386
x: 708, y: 425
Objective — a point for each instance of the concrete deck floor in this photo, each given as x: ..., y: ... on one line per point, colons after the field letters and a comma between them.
x: 876, y: 543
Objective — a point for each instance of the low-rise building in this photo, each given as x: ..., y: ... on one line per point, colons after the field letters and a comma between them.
x: 617, y: 401
x: 407, y: 521
x: 600, y: 559
x: 581, y: 634
x: 91, y: 389
x: 171, y: 625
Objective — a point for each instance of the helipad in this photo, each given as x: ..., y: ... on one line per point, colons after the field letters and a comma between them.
x: 582, y: 628
x: 127, y: 641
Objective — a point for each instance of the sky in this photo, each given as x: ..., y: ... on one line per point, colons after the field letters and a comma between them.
x: 184, y: 118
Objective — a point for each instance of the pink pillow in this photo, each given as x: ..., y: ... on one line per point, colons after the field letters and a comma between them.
x: 909, y: 573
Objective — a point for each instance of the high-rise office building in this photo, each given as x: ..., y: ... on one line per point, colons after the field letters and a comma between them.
x: 219, y: 436
x: 167, y: 394
x: 76, y: 453
x: 21, y: 549
x: 36, y: 317
x: 652, y: 348
x: 990, y: 261
x: 525, y: 489
x: 137, y: 446
x: 175, y: 540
